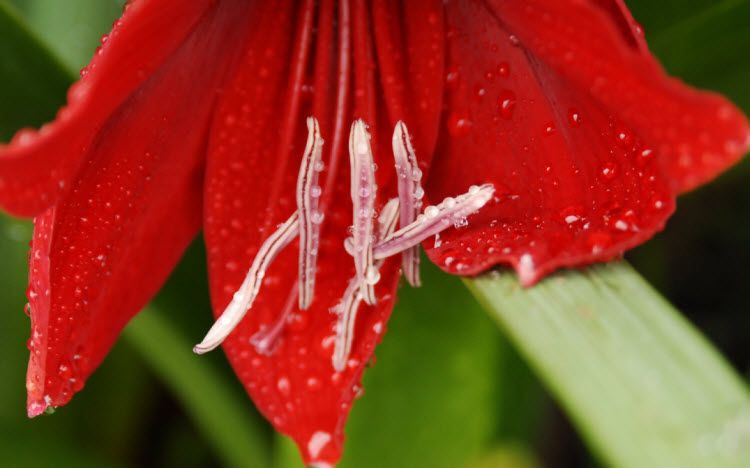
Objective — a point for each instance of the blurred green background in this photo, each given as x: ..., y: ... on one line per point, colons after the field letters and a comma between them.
x: 448, y: 390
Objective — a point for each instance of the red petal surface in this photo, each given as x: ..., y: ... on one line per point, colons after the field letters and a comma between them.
x: 37, y: 167
x: 585, y: 138
x: 256, y: 146
x: 101, y: 253
x: 697, y: 134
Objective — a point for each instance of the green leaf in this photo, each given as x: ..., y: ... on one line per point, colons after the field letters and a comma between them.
x: 71, y: 28
x: 641, y: 384
x: 703, y: 41
x: 218, y: 408
x: 430, y: 398
x: 33, y: 81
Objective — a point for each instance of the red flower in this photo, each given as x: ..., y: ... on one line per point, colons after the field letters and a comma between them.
x: 192, y: 113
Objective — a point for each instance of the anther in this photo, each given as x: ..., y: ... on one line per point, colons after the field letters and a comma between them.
x: 363, y: 192
x: 248, y: 291
x: 410, y: 195
x: 435, y: 219
x: 310, y: 219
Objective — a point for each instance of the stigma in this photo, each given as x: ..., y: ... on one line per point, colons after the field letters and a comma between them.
x: 402, y: 224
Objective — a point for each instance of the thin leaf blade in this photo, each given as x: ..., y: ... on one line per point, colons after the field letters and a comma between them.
x: 643, y: 386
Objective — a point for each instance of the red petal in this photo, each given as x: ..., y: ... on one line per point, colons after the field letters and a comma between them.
x: 101, y: 253
x: 37, y: 167
x: 697, y: 134
x: 569, y: 191
x: 257, y: 142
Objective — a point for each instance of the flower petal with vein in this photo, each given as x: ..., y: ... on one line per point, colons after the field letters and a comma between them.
x: 192, y: 116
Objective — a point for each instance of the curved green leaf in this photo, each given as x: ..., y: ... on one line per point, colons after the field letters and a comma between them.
x: 643, y: 386
x: 33, y: 81
x: 220, y: 413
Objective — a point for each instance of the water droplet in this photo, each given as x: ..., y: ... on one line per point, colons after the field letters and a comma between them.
x: 372, y: 276
x: 431, y: 211
x: 313, y: 384
x: 609, y: 171
x: 317, y: 443
x: 416, y: 174
x: 503, y: 69
x: 460, y: 222
x: 452, y: 79
x: 574, y: 118
x: 506, y: 102
x: 284, y: 386
x: 644, y: 156
x: 624, y: 137
x: 459, y: 125
x: 317, y: 217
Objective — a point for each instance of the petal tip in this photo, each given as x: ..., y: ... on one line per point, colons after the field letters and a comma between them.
x: 36, y: 408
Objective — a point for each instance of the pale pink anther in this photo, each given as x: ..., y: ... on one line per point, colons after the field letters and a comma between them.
x: 310, y: 218
x: 410, y: 195
x: 349, y: 306
x: 248, y: 291
x: 435, y: 219
x: 363, y: 191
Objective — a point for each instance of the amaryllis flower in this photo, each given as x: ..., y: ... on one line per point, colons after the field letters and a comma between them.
x: 193, y: 114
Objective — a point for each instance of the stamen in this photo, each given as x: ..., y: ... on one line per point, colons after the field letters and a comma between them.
x: 386, y: 224
x: 363, y: 190
x: 347, y: 312
x: 410, y: 194
x: 435, y: 219
x: 349, y: 306
x: 310, y: 218
x: 265, y: 339
x: 248, y: 291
